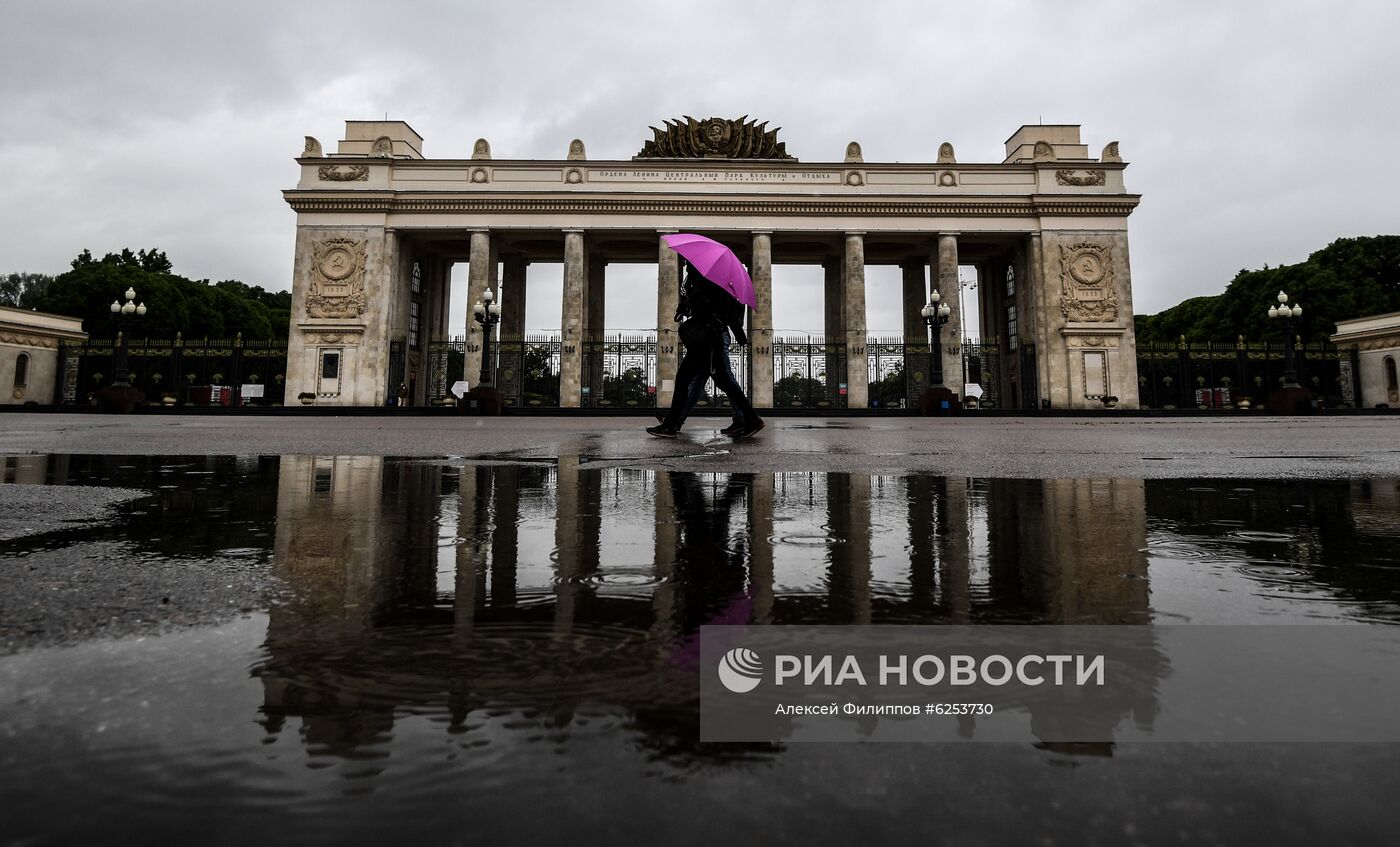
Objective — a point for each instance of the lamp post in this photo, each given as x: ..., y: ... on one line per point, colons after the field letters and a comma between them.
x: 124, y: 312
x: 935, y: 316
x: 488, y: 315
x: 1287, y: 314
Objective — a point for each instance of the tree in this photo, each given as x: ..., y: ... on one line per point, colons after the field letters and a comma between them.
x: 1349, y: 278
x: 177, y: 304
x: 23, y: 290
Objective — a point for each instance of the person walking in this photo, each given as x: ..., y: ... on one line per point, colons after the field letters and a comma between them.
x: 708, y: 314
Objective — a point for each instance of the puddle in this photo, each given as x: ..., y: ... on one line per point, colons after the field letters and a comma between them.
x: 279, y: 634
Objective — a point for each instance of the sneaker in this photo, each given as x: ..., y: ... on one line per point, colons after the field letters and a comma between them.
x: 663, y: 431
x: 749, y: 430
x: 733, y: 428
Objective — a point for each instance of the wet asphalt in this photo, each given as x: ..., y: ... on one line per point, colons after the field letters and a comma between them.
x: 1097, y: 446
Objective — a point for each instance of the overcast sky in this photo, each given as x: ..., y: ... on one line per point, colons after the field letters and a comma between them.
x: 1256, y: 132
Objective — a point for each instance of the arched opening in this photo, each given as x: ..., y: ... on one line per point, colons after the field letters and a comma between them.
x: 22, y: 371
x: 1392, y: 387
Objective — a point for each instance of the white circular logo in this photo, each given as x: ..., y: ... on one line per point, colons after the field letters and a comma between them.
x: 740, y: 670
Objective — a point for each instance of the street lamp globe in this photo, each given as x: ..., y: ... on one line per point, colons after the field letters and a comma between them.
x: 116, y: 307
x: 140, y: 308
x: 130, y: 293
x: 1282, y: 298
x: 1297, y: 311
x: 926, y: 311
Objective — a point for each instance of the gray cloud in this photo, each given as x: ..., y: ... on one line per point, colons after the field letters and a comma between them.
x: 1254, y: 135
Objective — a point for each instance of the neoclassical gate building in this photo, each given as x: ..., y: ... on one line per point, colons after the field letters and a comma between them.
x: 379, y: 227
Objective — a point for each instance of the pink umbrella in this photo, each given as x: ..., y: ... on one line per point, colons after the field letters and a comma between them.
x: 717, y: 262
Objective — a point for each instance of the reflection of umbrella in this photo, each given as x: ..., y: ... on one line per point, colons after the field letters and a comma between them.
x: 717, y: 263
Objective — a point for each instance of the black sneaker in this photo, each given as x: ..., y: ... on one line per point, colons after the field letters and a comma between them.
x: 749, y: 430
x: 663, y: 431
x: 733, y: 428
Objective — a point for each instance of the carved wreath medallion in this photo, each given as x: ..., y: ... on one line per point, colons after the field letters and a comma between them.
x: 1087, y: 292
x: 349, y: 173
x: 1093, y: 176
x: 337, y: 279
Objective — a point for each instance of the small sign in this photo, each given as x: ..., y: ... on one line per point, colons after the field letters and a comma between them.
x: 460, y: 388
x: 251, y: 390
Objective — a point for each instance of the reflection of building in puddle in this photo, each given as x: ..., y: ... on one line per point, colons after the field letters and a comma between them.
x: 555, y: 589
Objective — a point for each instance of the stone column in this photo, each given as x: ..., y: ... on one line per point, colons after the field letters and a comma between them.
x: 1039, y: 299
x: 667, y: 342
x: 833, y: 324
x: 571, y: 348
x: 593, y: 322
x: 915, y: 330
x: 761, y: 323
x: 853, y: 284
x: 513, y: 297
x: 480, y: 276
x: 948, y: 288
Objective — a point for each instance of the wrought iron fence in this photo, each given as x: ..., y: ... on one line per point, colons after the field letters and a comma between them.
x: 808, y: 373
x: 1190, y: 375
x: 176, y: 371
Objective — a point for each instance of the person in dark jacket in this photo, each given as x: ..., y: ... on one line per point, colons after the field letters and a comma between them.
x: 708, y: 312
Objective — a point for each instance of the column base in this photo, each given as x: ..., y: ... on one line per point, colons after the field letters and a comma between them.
x: 482, y: 400
x: 939, y: 401
x: 120, y: 399
x: 1292, y: 400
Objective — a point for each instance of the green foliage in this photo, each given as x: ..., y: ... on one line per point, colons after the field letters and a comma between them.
x: 629, y: 389
x: 175, y: 303
x: 889, y: 389
x: 797, y: 390
x: 23, y: 290
x: 1350, y: 278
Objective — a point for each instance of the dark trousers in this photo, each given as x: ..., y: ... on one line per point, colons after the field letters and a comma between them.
x: 696, y: 365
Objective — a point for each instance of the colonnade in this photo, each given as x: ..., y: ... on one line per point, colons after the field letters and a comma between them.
x: 844, y: 296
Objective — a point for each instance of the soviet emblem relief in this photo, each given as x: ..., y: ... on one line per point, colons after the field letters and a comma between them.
x: 1087, y: 290
x: 337, y: 279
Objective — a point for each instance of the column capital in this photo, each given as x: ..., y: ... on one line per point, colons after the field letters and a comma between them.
x: 479, y: 229
x: 572, y: 231
x: 949, y: 234
x: 761, y: 232
x: 855, y: 234
x: 667, y: 231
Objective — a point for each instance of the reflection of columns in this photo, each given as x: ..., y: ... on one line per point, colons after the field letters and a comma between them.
x: 468, y: 555
x: 761, y: 327
x: 953, y: 377
x: 667, y: 299
x: 566, y: 543
x: 915, y: 330
x: 857, y: 394
x: 571, y: 347
x: 761, y: 547
x: 954, y: 572
x: 663, y: 598
x: 923, y: 574
x: 848, y: 516
x: 480, y: 275
x: 513, y: 297
x: 505, y: 536
x: 1093, y: 570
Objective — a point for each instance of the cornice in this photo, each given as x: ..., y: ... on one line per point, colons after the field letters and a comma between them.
x: 517, y: 204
